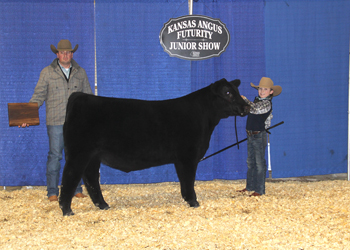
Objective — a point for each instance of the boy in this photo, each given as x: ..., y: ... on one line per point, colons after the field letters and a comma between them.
x: 259, y: 119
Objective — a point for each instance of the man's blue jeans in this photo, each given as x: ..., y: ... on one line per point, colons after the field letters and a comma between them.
x: 256, y: 174
x: 53, y: 165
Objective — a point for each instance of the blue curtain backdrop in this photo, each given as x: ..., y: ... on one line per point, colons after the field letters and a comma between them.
x: 131, y: 63
x: 244, y: 59
x: 27, y: 29
x: 307, y: 53
x: 302, y: 45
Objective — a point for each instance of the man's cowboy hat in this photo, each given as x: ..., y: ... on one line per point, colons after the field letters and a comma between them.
x: 63, y: 45
x: 266, y: 82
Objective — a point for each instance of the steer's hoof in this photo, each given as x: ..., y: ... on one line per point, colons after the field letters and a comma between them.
x: 193, y: 203
x: 103, y: 206
x: 66, y: 211
x: 70, y: 213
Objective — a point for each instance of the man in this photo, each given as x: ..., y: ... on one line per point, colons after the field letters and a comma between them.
x: 56, y: 83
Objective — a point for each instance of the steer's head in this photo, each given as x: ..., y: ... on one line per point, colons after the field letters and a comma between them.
x: 228, y: 99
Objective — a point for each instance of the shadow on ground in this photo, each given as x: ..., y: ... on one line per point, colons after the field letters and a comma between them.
x: 327, y: 177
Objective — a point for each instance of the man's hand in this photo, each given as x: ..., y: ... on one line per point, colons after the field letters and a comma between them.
x: 23, y: 125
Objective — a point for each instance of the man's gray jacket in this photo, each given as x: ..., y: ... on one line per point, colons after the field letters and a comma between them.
x: 54, y: 89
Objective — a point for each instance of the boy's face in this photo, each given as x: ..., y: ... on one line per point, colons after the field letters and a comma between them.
x: 265, y: 92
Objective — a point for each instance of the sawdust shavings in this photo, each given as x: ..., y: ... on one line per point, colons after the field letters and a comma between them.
x: 292, y: 215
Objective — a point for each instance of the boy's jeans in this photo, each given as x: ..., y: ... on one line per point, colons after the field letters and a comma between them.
x: 54, y: 157
x: 256, y: 174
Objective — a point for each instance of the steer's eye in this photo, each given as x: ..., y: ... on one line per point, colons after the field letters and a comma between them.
x: 229, y: 96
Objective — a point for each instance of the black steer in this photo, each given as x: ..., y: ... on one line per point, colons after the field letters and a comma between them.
x: 129, y: 135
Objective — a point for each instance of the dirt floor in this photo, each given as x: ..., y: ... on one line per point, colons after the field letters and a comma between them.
x: 295, y: 213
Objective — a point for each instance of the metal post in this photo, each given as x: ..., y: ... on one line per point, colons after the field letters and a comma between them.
x: 190, y: 7
x: 349, y: 123
x: 269, y: 156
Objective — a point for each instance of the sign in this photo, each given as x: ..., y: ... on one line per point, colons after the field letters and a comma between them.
x: 194, y: 37
x: 20, y: 113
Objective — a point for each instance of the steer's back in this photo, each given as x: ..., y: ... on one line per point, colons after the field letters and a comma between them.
x: 131, y: 134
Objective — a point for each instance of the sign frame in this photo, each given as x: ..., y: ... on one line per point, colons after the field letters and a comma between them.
x: 194, y: 37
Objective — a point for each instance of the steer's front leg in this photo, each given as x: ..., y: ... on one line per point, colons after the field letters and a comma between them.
x: 187, y: 175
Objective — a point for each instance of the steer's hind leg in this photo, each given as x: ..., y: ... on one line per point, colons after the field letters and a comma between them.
x: 187, y: 176
x: 72, y: 174
x: 91, y: 181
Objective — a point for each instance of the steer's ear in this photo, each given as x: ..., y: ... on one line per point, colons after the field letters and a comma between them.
x: 216, y: 85
x: 236, y: 82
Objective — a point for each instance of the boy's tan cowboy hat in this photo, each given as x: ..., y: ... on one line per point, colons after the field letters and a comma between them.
x: 266, y: 82
x: 63, y: 45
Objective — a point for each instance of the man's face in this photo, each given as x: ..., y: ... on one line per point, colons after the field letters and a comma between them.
x: 65, y: 57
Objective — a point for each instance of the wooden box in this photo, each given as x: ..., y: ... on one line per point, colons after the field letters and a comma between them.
x: 20, y: 113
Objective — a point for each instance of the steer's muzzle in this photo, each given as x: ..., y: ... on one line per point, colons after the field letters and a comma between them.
x: 245, y: 110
